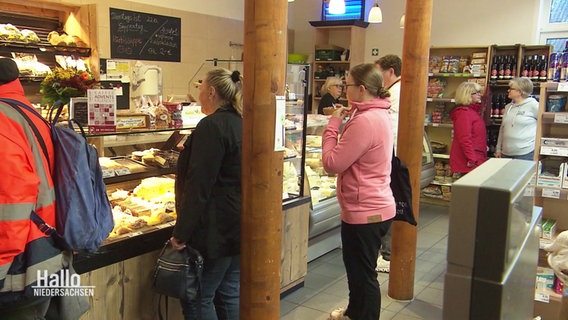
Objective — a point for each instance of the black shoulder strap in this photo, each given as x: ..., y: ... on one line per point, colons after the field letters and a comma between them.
x: 16, y: 105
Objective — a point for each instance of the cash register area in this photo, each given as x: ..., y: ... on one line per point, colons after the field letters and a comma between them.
x: 325, y: 286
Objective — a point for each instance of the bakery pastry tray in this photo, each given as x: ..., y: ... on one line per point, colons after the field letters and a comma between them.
x: 130, y: 169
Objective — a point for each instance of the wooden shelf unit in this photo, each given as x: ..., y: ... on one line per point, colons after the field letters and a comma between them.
x: 350, y: 37
x: 444, y: 102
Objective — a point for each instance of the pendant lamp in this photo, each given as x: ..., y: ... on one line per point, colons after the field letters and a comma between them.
x: 402, y: 22
x: 336, y: 6
x: 375, y: 15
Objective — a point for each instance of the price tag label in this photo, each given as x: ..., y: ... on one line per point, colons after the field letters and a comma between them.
x: 562, y: 86
x: 122, y: 171
x: 429, y: 99
x: 551, y: 193
x: 561, y: 118
x: 542, y: 297
x: 107, y: 173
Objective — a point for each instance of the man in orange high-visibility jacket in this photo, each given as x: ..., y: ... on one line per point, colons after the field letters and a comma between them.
x: 25, y: 186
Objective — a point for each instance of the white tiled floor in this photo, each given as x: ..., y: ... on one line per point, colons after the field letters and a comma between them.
x: 325, y: 286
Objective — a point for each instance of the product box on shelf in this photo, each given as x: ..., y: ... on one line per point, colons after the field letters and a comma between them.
x: 550, y: 172
x: 565, y: 177
x: 544, y: 278
x: 554, y: 146
x: 549, y: 229
x: 328, y: 53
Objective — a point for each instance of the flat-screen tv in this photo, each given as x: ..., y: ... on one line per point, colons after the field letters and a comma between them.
x: 492, y: 244
x: 354, y: 10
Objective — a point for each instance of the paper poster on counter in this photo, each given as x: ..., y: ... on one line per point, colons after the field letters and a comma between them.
x: 117, y: 70
x: 102, y: 110
x: 279, y: 123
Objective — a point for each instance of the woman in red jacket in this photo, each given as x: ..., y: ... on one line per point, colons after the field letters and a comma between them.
x: 469, y: 145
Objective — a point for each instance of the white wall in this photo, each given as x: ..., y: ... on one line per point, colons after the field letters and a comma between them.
x: 454, y: 23
x: 232, y: 9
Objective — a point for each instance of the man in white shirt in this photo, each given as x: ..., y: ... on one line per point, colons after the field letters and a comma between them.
x: 390, y: 67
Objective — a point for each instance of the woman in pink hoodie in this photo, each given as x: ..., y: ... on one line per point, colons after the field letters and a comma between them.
x: 362, y: 159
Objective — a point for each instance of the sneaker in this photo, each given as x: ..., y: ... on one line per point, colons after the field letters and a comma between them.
x: 338, y: 314
x: 383, y: 265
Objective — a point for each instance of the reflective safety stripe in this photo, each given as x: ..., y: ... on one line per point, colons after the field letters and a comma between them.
x: 17, y: 282
x: 4, y: 270
x: 40, y: 253
x: 46, y: 196
x: 13, y: 212
x: 45, y: 192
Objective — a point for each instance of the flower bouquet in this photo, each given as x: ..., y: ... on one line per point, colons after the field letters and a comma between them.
x: 63, y: 84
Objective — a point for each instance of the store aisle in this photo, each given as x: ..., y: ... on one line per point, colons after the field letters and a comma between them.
x: 325, y: 287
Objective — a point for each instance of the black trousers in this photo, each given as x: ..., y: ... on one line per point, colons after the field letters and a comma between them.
x: 361, y: 244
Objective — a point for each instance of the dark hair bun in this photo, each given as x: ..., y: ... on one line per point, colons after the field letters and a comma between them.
x: 236, y: 76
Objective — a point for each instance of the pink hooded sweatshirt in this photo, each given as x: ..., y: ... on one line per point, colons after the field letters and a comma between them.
x: 362, y: 159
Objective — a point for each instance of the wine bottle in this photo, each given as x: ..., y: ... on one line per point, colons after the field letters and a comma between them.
x: 494, y: 68
x: 507, y: 72
x: 526, y: 67
x: 513, y: 67
x: 543, y: 68
x: 501, y: 68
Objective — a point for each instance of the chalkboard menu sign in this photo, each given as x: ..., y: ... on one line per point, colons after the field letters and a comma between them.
x: 137, y: 35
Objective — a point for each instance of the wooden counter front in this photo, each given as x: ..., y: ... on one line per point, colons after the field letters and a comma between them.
x: 123, y: 289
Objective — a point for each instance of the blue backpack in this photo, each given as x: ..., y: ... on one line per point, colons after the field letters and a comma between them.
x: 83, y: 212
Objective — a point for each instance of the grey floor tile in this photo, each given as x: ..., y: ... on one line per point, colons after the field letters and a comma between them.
x: 286, y: 307
x: 317, y: 281
x: 339, y: 288
x: 387, y: 315
x: 431, y: 296
x: 325, y: 286
x: 422, y: 310
x: 400, y: 316
x: 331, y: 270
x: 326, y: 302
x: 304, y: 313
x: 301, y: 295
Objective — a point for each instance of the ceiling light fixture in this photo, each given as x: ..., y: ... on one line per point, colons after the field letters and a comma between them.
x: 336, y: 6
x: 375, y: 15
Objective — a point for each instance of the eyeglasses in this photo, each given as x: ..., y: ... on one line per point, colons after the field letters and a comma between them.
x: 514, y: 89
x: 475, y: 92
x: 351, y: 85
x: 340, y: 86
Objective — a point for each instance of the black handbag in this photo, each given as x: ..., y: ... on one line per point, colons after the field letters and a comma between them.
x: 402, y: 191
x: 178, y: 273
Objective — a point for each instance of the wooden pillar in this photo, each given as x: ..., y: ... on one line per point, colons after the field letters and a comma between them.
x: 415, y: 51
x: 264, y: 77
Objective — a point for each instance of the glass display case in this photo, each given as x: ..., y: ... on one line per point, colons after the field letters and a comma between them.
x: 325, y: 214
x: 296, y: 92
x: 139, y: 168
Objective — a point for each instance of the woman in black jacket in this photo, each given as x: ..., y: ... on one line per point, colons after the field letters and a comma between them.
x: 331, y: 92
x: 208, y: 195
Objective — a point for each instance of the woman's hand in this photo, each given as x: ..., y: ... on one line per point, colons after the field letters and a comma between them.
x: 176, y: 244
x: 340, y: 111
x: 497, y: 154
